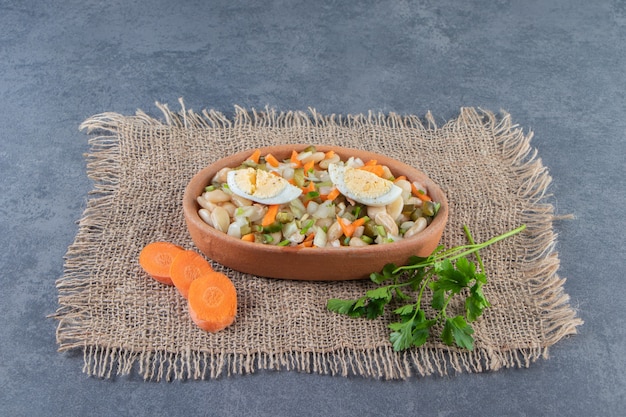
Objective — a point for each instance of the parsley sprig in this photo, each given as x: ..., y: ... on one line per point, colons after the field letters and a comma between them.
x: 446, y: 273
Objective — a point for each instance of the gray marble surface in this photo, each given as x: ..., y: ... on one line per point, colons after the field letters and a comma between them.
x: 557, y: 66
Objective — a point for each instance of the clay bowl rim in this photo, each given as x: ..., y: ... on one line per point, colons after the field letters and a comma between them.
x: 204, y: 176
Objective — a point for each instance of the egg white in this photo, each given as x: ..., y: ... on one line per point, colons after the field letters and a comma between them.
x: 276, y: 191
x: 363, y: 187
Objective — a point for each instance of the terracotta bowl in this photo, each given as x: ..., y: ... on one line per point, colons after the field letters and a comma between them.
x: 321, y: 264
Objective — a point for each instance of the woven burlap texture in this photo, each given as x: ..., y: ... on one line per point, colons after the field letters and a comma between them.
x: 125, y: 322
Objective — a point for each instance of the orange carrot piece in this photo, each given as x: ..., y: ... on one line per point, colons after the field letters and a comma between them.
x: 294, y: 159
x: 306, y: 244
x: 271, y: 159
x: 309, y: 237
x: 334, y: 193
x: 186, y: 267
x: 256, y: 155
x: 371, y: 163
x: 270, y: 215
x: 419, y: 193
x: 401, y: 177
x: 329, y: 154
x: 349, y: 229
x: 359, y: 222
x: 156, y: 258
x: 309, y: 188
x: 308, y: 167
x: 212, y: 302
x: 248, y: 238
x: 374, y: 169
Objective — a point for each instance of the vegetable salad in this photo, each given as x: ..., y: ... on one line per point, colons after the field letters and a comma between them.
x: 315, y: 199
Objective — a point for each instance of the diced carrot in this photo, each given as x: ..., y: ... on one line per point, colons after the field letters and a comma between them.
x: 308, y: 167
x: 419, y: 193
x: 334, y: 193
x: 401, y: 177
x: 349, y: 229
x: 306, y: 244
x: 256, y: 155
x: 212, y: 302
x: 270, y: 215
x: 156, y: 259
x: 374, y: 169
x: 371, y: 162
x: 248, y: 238
x: 271, y: 159
x: 329, y: 154
x: 294, y: 159
x: 308, y: 241
x: 309, y: 188
x: 186, y: 267
x: 359, y: 222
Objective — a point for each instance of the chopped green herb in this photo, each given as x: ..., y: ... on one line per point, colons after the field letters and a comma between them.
x: 445, y: 274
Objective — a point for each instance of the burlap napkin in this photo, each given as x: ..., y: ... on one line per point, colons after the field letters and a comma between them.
x: 125, y: 322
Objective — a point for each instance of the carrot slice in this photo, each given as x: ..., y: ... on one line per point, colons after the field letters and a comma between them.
x: 371, y: 162
x: 334, y: 193
x: 419, y: 193
x: 308, y: 167
x: 256, y: 155
x: 248, y: 238
x: 306, y: 244
x: 349, y: 229
x: 294, y: 159
x: 309, y: 188
x: 186, y: 267
x: 374, y: 169
x: 401, y: 177
x: 271, y: 159
x: 156, y: 258
x: 329, y: 154
x: 270, y: 215
x: 212, y: 302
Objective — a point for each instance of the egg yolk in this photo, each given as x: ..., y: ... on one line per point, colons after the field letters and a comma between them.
x: 259, y: 183
x: 365, y: 184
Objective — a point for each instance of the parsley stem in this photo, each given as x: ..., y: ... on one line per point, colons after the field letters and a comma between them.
x: 470, y: 238
x: 459, y: 251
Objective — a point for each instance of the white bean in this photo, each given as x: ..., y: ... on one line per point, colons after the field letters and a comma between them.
x: 372, y: 211
x: 216, y: 196
x: 384, y: 219
x: 205, y: 204
x: 240, y: 201
x: 419, y: 225
x: 222, y: 175
x: 357, y: 242
x: 314, y: 156
x: 230, y: 208
x: 206, y: 216
x: 220, y: 219
x: 334, y: 232
x: 332, y: 160
x: 404, y: 184
x: 395, y: 208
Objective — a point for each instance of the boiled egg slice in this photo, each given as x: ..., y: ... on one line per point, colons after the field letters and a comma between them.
x: 363, y: 186
x: 261, y: 186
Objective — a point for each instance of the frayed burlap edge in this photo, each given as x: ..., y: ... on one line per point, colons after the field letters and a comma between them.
x: 381, y: 363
